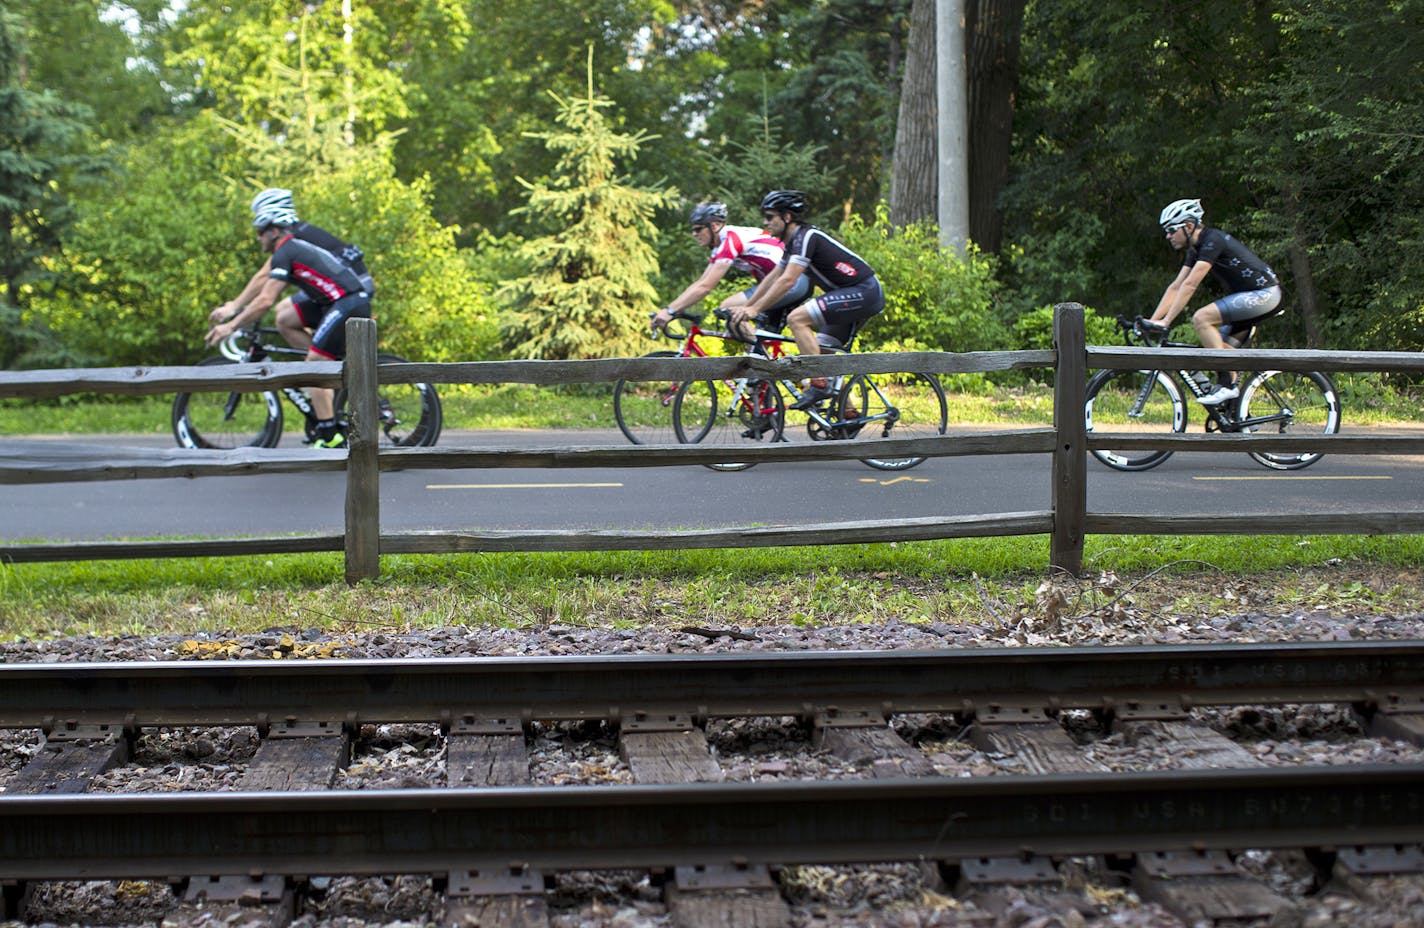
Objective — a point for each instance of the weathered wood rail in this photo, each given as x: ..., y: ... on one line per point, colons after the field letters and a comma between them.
x: 1068, y: 520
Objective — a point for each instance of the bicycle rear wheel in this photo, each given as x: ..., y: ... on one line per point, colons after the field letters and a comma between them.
x: 710, y: 412
x: 1148, y: 402
x: 643, y: 408
x: 1291, y: 403
x: 219, y: 420
x: 410, y: 413
x: 890, y: 406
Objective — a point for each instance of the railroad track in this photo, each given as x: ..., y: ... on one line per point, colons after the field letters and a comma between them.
x: 490, y: 843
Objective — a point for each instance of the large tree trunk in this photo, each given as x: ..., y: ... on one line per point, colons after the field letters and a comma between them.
x: 992, y: 31
x: 913, y: 172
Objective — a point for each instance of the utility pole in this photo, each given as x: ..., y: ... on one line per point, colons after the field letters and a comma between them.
x: 952, y: 93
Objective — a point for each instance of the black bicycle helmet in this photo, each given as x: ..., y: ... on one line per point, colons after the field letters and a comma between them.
x: 784, y: 201
x: 707, y: 213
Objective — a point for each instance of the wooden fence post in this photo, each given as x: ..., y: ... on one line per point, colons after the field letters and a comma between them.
x: 363, y: 473
x: 1070, y: 458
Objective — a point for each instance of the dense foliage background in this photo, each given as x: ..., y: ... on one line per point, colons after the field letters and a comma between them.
x: 520, y: 182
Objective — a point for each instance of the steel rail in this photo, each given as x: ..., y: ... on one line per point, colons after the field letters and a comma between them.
x: 1388, y: 675
x: 434, y: 831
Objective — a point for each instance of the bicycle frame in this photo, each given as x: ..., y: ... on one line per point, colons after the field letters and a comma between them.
x: 771, y: 345
x: 1221, y: 417
x: 259, y: 350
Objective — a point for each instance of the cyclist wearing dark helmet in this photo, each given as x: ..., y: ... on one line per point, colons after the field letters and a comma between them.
x: 851, y: 292
x: 1252, y: 288
x: 332, y: 292
x: 740, y: 249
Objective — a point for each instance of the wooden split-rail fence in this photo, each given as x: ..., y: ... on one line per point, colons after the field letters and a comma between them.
x: 1067, y: 521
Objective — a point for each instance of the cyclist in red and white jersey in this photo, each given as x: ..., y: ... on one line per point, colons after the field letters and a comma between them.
x: 741, y: 249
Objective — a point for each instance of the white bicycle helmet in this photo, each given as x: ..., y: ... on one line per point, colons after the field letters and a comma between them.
x: 1181, y: 211
x: 274, y: 200
x: 274, y: 216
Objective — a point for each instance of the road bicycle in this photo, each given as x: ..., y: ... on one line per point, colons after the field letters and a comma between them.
x: 1149, y: 401
x: 410, y: 414
x: 748, y: 411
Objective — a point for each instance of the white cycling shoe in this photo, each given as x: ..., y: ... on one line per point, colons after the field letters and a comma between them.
x: 1218, y: 396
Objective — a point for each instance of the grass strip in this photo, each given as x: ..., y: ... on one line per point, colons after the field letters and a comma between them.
x: 980, y: 581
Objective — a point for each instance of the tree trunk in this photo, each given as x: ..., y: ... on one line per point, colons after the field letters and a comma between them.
x: 992, y: 31
x: 913, y: 172
x: 1307, y: 297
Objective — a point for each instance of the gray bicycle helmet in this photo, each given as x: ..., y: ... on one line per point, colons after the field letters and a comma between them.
x: 784, y: 201
x: 1180, y: 211
x: 708, y: 213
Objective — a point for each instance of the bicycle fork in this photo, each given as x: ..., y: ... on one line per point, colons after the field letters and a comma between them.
x: 1136, y: 411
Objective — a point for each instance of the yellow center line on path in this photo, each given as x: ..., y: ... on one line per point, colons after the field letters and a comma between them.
x: 1284, y: 477
x: 886, y: 483
x: 516, y: 486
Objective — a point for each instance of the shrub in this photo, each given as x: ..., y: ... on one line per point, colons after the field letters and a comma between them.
x: 934, y: 299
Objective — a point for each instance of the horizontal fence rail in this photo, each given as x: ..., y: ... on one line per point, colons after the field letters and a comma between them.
x: 1068, y: 442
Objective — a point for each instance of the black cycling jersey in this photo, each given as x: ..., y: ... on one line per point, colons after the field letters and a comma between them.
x: 320, y: 274
x: 327, y: 242
x: 1233, y: 266
x: 830, y: 264
x: 344, y: 250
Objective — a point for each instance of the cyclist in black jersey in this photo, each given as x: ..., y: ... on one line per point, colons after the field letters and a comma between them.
x: 332, y: 291
x: 851, y: 294
x: 293, y: 312
x: 1252, y: 289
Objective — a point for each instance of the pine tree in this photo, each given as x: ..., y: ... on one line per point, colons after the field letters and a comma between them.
x: 767, y: 163
x: 588, y: 292
x: 37, y: 131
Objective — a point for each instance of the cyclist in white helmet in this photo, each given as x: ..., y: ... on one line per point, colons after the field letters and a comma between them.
x: 290, y: 311
x: 1252, y: 289
x: 333, y: 286
x: 737, y: 249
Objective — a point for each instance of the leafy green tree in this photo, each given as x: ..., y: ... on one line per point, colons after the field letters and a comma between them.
x: 748, y: 170
x: 39, y: 154
x: 588, y: 291
x: 1337, y: 137
x: 99, y: 55
x: 148, y: 266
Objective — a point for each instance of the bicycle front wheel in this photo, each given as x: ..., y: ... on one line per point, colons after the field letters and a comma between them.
x: 739, y: 414
x: 1147, y: 402
x: 219, y: 420
x: 890, y: 406
x: 1289, y: 403
x: 410, y: 413
x: 643, y: 408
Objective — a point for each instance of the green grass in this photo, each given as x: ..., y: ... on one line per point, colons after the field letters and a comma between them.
x: 985, y: 581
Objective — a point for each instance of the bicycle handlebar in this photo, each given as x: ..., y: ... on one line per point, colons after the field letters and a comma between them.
x: 1143, y: 331
x: 688, y: 316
